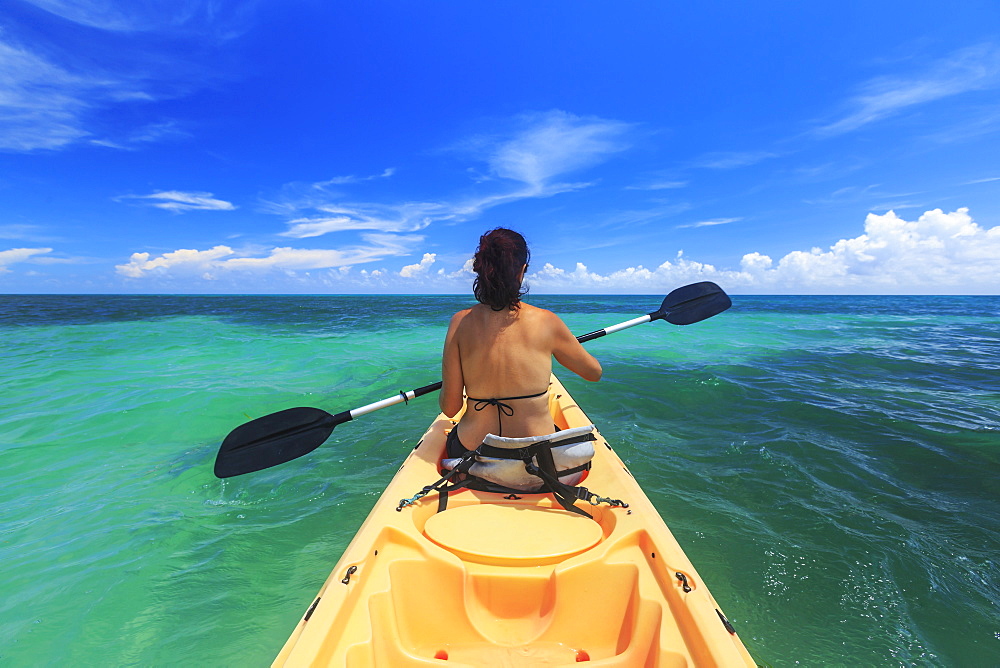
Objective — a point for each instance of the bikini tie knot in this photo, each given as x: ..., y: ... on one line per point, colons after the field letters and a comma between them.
x: 501, y: 406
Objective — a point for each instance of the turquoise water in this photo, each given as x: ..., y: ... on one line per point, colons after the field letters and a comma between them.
x: 830, y: 465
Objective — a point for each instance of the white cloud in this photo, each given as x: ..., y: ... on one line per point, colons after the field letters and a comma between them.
x: 659, y: 185
x: 711, y: 223
x: 541, y: 148
x: 225, y: 18
x: 30, y: 233
x: 552, y: 144
x: 972, y: 68
x: 190, y: 262
x: 177, y: 201
x: 54, y: 86
x: 41, y: 104
x: 937, y: 253
x: 148, y: 134
x: 347, y: 180
x: 406, y: 217
x: 733, y: 159
x: 420, y: 269
x: 17, y: 255
x: 630, y: 279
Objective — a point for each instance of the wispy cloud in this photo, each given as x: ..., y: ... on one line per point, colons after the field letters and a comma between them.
x: 549, y: 145
x: 46, y: 105
x: 17, y: 255
x: 658, y: 185
x: 41, y: 104
x: 987, y: 180
x: 733, y: 159
x: 710, y: 223
x: 633, y: 218
x: 347, y: 180
x: 227, y: 18
x: 178, y: 202
x: 32, y: 233
x: 535, y: 155
x: 52, y: 96
x: 972, y: 68
x: 867, y: 194
x: 148, y: 134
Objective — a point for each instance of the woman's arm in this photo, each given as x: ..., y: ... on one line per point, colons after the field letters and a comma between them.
x: 451, y: 398
x: 570, y: 353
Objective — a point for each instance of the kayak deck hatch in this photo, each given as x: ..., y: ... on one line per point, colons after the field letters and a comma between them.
x: 513, y: 582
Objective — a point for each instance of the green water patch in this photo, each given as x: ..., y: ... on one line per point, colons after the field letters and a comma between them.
x: 828, y: 464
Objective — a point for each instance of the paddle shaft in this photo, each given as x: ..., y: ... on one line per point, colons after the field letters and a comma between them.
x: 583, y: 338
x: 434, y: 387
x: 283, y: 436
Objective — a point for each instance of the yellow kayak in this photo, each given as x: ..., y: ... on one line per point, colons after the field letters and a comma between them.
x: 513, y: 580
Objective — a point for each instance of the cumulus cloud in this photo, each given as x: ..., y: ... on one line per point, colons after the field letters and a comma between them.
x: 419, y: 269
x: 209, y: 263
x: 937, y: 253
x: 17, y: 255
x: 177, y: 201
x: 186, y: 259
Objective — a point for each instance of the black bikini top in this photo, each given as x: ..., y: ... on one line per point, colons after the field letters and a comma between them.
x: 502, y: 408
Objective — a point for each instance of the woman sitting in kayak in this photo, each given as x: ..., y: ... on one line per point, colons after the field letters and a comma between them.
x: 499, y: 352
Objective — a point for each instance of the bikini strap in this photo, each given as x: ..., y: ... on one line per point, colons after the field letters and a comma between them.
x: 502, y: 408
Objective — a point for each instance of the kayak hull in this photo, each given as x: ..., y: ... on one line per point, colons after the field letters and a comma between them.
x: 515, y: 581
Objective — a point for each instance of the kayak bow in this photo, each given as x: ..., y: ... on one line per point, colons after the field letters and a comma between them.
x: 515, y: 580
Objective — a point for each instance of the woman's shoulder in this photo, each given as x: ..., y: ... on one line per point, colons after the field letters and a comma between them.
x: 539, y: 317
x: 536, y: 312
x: 456, y: 320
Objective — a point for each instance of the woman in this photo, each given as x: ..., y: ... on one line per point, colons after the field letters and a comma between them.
x: 500, y: 351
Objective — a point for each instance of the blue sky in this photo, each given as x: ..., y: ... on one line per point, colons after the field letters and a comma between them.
x: 307, y: 146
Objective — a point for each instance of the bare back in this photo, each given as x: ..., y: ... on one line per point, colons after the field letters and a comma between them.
x: 496, y: 354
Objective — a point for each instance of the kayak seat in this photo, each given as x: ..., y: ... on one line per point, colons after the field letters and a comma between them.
x: 552, y: 463
x: 500, y: 459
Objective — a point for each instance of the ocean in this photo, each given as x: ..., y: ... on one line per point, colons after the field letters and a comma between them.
x: 829, y: 464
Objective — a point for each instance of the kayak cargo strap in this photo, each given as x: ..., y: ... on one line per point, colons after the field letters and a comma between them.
x: 544, y: 471
x: 725, y: 622
x: 311, y: 610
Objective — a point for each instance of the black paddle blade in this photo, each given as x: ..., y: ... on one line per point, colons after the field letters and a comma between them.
x: 274, y: 439
x: 694, y: 303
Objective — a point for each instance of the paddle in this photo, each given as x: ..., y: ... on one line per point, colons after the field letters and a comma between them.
x: 283, y: 436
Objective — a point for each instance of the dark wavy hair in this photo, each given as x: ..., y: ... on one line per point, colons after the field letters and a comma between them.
x: 497, y: 263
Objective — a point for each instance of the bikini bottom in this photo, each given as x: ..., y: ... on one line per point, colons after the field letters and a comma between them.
x: 453, y: 447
